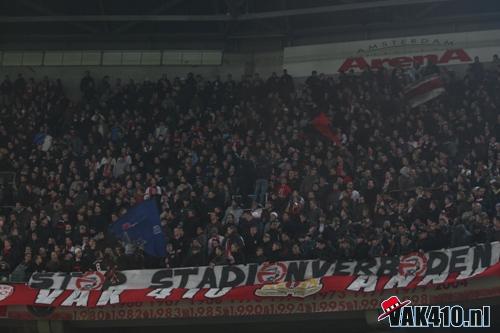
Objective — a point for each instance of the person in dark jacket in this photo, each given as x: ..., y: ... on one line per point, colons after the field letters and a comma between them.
x: 321, y: 251
x: 251, y: 241
x: 236, y: 256
x: 259, y: 256
x: 195, y: 257
x: 296, y: 253
x: 218, y: 257
x: 263, y: 171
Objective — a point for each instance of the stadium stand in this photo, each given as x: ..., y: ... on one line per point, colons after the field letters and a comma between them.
x: 239, y: 172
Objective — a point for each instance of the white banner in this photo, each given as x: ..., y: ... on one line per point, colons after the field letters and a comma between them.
x: 443, y: 49
x: 434, y: 266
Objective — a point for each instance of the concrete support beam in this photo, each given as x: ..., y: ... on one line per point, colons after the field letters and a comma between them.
x: 217, y: 17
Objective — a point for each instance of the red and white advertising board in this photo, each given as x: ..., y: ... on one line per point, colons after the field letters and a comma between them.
x: 442, y: 49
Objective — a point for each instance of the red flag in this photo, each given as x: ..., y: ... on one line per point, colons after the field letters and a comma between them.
x: 323, y: 125
x: 424, y: 90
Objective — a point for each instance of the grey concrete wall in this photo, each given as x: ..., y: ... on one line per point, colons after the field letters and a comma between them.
x: 236, y: 64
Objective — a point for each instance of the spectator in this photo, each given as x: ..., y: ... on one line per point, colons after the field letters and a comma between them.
x: 218, y: 257
x: 238, y: 173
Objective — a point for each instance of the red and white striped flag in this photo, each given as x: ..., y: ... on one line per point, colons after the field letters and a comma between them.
x: 424, y: 90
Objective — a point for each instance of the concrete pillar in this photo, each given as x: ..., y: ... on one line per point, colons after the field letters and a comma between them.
x: 49, y: 326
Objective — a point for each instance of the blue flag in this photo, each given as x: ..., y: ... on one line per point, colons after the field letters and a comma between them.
x: 141, y: 224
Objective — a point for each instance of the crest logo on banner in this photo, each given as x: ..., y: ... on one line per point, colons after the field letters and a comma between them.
x: 90, y: 280
x: 272, y: 272
x: 5, y: 291
x: 414, y: 264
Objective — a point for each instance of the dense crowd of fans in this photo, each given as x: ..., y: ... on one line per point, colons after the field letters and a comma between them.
x: 239, y: 173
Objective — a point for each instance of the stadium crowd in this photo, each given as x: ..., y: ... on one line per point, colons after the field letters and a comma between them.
x: 239, y: 173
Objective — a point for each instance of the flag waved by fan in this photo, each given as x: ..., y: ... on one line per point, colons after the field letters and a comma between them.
x: 323, y: 125
x: 424, y: 90
x: 141, y: 225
